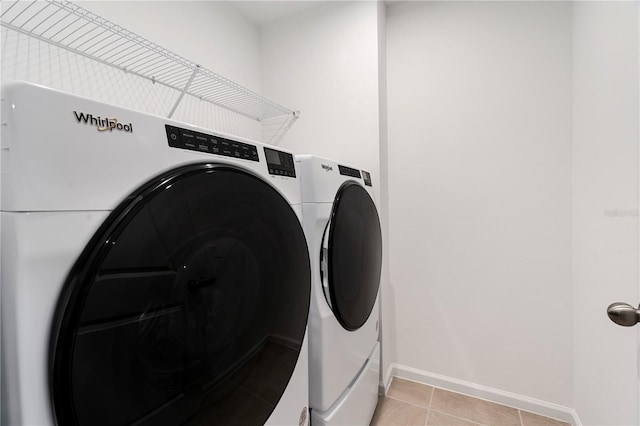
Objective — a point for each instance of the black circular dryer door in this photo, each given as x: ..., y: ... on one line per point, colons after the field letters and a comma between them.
x: 354, y: 255
x: 189, y: 306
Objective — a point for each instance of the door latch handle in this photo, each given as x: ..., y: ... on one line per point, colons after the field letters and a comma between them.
x: 624, y: 314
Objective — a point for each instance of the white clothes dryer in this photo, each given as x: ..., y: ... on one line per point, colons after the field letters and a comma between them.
x: 342, y: 226
x: 153, y: 273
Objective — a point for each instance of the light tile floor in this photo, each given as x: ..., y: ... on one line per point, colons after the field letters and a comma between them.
x: 411, y: 403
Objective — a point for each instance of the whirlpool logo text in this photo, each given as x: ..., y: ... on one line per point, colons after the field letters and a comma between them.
x: 103, y: 124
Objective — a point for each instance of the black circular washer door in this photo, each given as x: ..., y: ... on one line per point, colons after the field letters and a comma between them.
x: 188, y: 306
x: 354, y: 255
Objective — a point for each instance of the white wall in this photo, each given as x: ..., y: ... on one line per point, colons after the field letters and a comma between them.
x: 324, y: 62
x: 605, y: 208
x: 210, y: 33
x: 479, y: 109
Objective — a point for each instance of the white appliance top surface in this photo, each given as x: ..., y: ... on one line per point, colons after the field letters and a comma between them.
x: 322, y: 177
x: 62, y: 152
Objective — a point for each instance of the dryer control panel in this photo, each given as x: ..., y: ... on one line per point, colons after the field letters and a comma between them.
x: 279, y: 163
x: 366, y: 176
x: 196, y: 141
x: 348, y: 171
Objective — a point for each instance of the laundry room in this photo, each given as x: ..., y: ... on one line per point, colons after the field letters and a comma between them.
x: 320, y: 212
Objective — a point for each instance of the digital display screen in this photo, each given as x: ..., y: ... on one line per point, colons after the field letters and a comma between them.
x: 273, y: 157
x: 279, y: 163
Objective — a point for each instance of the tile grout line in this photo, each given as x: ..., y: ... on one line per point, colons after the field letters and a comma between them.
x: 433, y: 391
x: 491, y: 403
x: 459, y: 418
x: 520, y: 415
x: 426, y: 421
x: 408, y: 403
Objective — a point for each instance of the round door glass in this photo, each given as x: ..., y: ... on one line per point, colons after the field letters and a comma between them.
x: 189, y: 306
x: 354, y: 255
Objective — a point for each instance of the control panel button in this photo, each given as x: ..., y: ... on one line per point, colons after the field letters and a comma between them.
x: 201, y: 142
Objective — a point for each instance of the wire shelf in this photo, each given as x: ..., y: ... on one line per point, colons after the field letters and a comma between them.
x: 62, y: 27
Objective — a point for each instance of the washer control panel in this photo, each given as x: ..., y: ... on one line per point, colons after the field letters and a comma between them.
x: 202, y: 142
x: 279, y: 163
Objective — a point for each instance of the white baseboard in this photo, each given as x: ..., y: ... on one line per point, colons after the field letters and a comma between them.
x: 520, y: 402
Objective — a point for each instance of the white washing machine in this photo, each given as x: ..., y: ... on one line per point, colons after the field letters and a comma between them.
x: 153, y: 273
x: 342, y: 226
